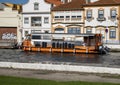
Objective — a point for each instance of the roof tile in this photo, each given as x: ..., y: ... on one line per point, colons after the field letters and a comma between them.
x: 74, y: 5
x: 56, y: 2
x: 104, y: 3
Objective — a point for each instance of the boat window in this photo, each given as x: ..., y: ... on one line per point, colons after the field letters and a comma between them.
x: 46, y: 37
x: 36, y: 37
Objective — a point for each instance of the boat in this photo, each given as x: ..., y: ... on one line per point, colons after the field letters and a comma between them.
x: 64, y: 43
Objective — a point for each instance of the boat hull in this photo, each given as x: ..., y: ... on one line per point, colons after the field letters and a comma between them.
x: 61, y: 50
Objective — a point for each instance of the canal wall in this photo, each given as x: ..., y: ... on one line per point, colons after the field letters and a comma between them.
x: 7, y: 43
x: 60, y: 67
x: 114, y: 48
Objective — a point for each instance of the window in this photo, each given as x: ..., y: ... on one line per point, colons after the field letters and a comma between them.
x: 78, y: 16
x: 26, y: 33
x: 36, y: 6
x: 59, y: 30
x: 73, y: 16
x: 73, y: 30
x: 56, y: 16
x: 113, y: 13
x: 89, y: 14
x: 100, y: 14
x: 112, y: 33
x: 67, y: 17
x: 46, y: 20
x: 35, y: 21
x: 61, y: 16
x: 36, y: 37
x: 26, y: 20
x: 88, y: 30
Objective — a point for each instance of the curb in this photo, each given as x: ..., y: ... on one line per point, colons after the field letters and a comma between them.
x: 60, y: 67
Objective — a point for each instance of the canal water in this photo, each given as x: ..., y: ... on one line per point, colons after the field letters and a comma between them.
x: 17, y: 55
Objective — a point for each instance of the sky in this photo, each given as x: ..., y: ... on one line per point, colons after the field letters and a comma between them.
x: 14, y: 1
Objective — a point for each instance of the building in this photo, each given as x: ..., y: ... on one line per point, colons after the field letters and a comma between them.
x: 36, y: 15
x: 103, y: 17
x: 9, y: 23
x: 68, y: 17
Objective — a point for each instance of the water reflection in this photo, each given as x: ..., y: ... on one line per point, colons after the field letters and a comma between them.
x: 64, y: 57
x: 112, y: 59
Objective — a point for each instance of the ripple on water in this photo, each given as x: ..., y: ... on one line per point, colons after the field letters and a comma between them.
x: 112, y: 59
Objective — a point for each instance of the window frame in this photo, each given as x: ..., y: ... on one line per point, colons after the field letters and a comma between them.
x: 112, y: 15
x: 99, y: 14
x: 26, y: 21
x: 36, y: 6
x: 34, y: 22
x: 112, y: 33
x: 88, y: 29
x: 87, y: 14
x: 74, y: 30
x: 46, y: 20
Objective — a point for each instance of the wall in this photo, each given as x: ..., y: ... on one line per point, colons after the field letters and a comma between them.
x: 8, y: 17
x: 106, y: 24
x: 11, y: 19
x: 43, y: 6
x: 43, y: 11
x: 62, y: 67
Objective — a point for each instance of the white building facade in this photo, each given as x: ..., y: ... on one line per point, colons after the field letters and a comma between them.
x: 36, y: 17
x: 103, y: 19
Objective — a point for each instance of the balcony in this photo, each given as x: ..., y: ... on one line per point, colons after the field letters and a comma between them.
x: 89, y: 18
x: 101, y: 19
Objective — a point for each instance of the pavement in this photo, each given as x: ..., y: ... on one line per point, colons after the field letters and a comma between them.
x: 60, y: 76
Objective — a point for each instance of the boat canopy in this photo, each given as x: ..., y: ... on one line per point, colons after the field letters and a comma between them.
x: 21, y: 2
x: 73, y: 34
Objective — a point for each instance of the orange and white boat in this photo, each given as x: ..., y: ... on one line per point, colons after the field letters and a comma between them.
x: 64, y: 42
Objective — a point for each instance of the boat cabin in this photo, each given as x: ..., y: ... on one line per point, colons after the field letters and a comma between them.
x: 63, y: 42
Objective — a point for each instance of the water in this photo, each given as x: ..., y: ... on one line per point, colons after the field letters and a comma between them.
x: 13, y: 55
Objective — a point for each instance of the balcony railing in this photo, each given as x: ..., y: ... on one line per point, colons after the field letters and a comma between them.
x: 89, y: 18
x: 101, y: 19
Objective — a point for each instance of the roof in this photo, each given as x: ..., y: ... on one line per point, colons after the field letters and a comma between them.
x: 56, y: 2
x: 14, y: 1
x: 74, y: 5
x: 104, y: 3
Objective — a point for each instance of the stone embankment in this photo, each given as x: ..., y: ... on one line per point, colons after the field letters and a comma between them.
x: 60, y: 67
x: 113, y: 47
x: 7, y: 43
